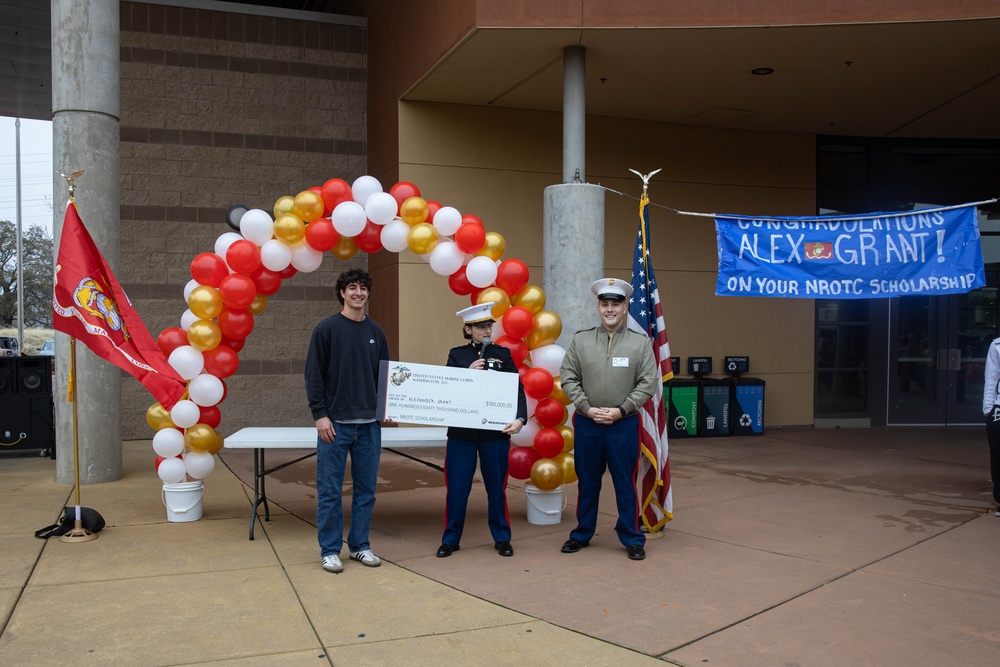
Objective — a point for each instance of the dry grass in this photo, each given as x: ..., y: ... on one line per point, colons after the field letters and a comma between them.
x: 33, y: 338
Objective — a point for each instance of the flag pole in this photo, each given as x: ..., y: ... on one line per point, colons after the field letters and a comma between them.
x: 79, y: 533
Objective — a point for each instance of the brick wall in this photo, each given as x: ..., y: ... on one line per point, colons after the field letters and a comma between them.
x: 220, y: 109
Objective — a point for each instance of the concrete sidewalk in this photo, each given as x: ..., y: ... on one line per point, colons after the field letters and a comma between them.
x: 809, y: 547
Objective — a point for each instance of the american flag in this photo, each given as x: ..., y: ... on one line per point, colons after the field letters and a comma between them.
x: 645, y: 314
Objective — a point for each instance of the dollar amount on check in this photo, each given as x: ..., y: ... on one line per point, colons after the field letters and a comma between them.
x: 446, y: 396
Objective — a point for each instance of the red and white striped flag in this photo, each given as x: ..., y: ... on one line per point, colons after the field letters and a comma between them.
x: 645, y: 314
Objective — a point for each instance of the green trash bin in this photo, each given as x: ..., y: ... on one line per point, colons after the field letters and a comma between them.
x: 682, y: 413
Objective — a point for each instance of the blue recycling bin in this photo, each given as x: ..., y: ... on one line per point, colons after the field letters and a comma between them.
x: 748, y: 407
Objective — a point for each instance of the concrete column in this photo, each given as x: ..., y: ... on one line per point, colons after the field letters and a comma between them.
x: 85, y: 135
x: 574, y: 114
x: 573, y: 253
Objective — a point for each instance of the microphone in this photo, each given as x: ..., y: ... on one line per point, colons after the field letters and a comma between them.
x: 486, y: 342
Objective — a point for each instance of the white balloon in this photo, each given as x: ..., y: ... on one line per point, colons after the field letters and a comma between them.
x: 549, y: 357
x: 481, y: 271
x: 364, y: 187
x: 275, y: 255
x: 498, y: 330
x: 199, y: 464
x: 224, y: 241
x: 394, y: 235
x: 206, y: 390
x: 349, y: 218
x: 187, y: 319
x: 381, y: 208
x: 171, y: 470
x: 168, y: 442
x: 184, y: 414
x: 532, y: 404
x: 446, y: 258
x: 526, y: 436
x: 191, y: 284
x: 256, y: 225
x: 187, y: 361
x: 447, y: 220
x: 305, y: 258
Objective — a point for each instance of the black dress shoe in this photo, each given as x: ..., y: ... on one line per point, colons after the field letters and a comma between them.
x: 446, y: 550
x: 635, y: 552
x: 572, y: 545
x: 504, y: 548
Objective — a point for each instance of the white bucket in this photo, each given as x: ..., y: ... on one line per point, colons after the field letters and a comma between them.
x: 183, y: 500
x: 544, y: 507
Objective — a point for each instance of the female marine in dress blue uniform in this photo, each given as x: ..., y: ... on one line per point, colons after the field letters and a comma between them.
x: 464, y: 444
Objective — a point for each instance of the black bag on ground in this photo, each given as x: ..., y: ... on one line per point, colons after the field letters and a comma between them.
x: 90, y: 519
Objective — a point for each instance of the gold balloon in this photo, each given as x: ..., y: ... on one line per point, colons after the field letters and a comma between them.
x: 158, y: 417
x: 422, y: 237
x: 501, y: 302
x: 557, y: 392
x: 283, y: 205
x: 546, y: 474
x: 205, y: 302
x: 531, y: 297
x: 414, y: 211
x: 289, y: 228
x: 217, y: 447
x: 204, y: 335
x: 308, y: 205
x: 567, y: 462
x: 568, y: 437
x: 494, y: 247
x: 200, y: 438
x: 547, y: 328
x: 259, y: 304
x: 346, y: 248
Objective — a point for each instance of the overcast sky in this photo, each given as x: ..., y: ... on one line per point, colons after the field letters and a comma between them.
x: 36, y: 172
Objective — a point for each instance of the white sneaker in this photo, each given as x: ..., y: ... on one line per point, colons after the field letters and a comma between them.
x: 366, y: 557
x: 333, y: 564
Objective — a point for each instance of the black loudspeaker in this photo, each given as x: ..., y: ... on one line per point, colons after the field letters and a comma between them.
x: 27, y: 420
x: 34, y: 375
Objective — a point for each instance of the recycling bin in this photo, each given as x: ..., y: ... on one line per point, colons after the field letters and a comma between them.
x: 682, y: 412
x: 715, y: 407
x: 748, y: 407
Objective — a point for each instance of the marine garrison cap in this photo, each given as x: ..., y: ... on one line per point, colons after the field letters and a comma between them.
x: 478, y: 314
x: 611, y: 288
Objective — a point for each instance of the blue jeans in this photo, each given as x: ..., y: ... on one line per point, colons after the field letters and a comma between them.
x: 364, y: 443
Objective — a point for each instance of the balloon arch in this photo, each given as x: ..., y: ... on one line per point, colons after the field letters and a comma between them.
x: 230, y: 286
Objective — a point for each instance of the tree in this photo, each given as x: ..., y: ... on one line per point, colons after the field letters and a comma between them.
x: 36, y: 252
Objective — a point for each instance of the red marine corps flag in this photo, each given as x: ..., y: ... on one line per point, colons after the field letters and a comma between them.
x: 656, y: 500
x: 89, y: 305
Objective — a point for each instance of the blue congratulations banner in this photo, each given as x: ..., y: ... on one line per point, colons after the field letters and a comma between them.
x: 875, y: 255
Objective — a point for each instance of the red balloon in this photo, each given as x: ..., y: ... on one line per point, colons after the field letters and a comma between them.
x: 518, y: 348
x: 470, y: 237
x: 208, y: 269
x: 459, y: 283
x: 517, y: 321
x: 222, y: 361
x: 158, y: 461
x: 473, y: 219
x: 235, y: 322
x: 432, y: 208
x: 548, y: 442
x: 243, y: 256
x: 370, y: 238
x: 171, y: 339
x: 288, y: 272
x: 267, y: 281
x: 537, y: 383
x: 521, y: 370
x: 401, y: 192
x: 512, y: 275
x: 550, y: 413
x: 210, y: 415
x: 235, y: 343
x: 335, y: 191
x: 237, y: 290
x: 520, y: 460
x: 320, y: 235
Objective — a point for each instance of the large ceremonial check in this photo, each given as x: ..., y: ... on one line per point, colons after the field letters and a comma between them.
x: 446, y: 396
